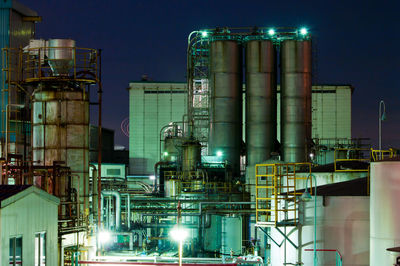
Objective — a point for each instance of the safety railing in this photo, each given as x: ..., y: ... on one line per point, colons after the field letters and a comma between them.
x: 277, y: 192
x: 377, y: 155
x: 345, y: 158
x: 51, y: 63
x: 196, y: 181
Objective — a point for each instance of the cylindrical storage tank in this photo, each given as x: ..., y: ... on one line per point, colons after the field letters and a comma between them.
x: 170, y: 188
x: 225, y: 133
x: 191, y: 155
x: 384, y: 211
x: 60, y: 132
x: 295, y: 100
x: 61, y: 55
x: 172, y: 147
x: 260, y: 100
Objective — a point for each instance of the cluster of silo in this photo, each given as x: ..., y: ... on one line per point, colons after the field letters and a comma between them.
x: 261, y: 68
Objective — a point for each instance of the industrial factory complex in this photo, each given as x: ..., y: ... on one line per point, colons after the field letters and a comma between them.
x: 248, y: 161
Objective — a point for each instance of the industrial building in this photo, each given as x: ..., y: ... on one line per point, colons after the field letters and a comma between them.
x: 28, y: 222
x: 155, y: 105
x: 228, y: 168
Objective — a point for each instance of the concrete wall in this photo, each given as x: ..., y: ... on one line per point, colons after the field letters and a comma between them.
x: 26, y: 217
x: 342, y: 223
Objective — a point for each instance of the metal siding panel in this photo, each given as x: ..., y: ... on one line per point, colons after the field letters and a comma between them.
x: 4, y: 42
x: 20, y: 31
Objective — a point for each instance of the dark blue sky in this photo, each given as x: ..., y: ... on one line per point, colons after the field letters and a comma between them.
x: 358, y: 43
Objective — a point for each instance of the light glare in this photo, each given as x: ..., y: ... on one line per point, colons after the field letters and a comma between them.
x: 219, y: 153
x: 152, y: 177
x: 271, y: 32
x: 104, y: 236
x: 303, y: 31
x: 204, y: 33
x: 178, y: 233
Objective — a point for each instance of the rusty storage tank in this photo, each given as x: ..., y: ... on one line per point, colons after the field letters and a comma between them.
x: 60, y: 131
x: 225, y: 133
x: 191, y: 155
x: 295, y: 99
x: 261, y: 94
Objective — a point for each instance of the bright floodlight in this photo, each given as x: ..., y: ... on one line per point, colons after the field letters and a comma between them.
x: 152, y: 177
x: 165, y: 153
x: 104, y: 236
x: 178, y: 233
x: 303, y: 31
x: 204, y: 33
x: 271, y: 32
x: 219, y: 153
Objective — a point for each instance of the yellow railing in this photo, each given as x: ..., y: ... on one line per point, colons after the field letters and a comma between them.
x: 377, y: 155
x: 34, y: 64
x: 277, y: 192
x: 351, y: 155
x: 197, y: 181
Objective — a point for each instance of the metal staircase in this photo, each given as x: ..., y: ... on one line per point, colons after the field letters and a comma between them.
x: 277, y: 193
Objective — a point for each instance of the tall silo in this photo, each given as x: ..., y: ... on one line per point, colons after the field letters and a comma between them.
x: 295, y: 100
x: 60, y: 118
x: 384, y: 211
x: 225, y: 133
x: 260, y: 100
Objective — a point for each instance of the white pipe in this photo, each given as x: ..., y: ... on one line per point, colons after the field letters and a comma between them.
x: 128, y: 209
x: 117, y: 206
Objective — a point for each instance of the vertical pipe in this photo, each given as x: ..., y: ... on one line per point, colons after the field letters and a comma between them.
x: 295, y: 100
x: 128, y: 204
x: 99, y: 93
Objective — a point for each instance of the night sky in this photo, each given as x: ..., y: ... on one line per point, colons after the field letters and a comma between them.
x: 358, y: 43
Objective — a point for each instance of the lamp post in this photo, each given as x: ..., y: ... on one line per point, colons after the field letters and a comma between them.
x: 382, y: 117
x: 307, y: 197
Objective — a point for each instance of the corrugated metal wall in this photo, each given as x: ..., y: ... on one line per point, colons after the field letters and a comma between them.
x: 14, y: 33
x: 151, y: 108
x: 331, y: 118
x: 25, y: 217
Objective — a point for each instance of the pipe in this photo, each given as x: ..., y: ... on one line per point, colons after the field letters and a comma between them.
x: 156, y: 177
x: 100, y: 140
x: 128, y: 209
x: 117, y: 206
x: 155, y: 225
x: 95, y: 199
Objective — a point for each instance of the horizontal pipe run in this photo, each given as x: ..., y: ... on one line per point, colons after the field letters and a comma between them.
x: 149, y: 263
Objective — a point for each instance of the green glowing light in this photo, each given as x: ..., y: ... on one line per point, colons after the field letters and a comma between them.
x: 271, y: 32
x: 204, y: 34
x: 219, y: 153
x: 303, y: 31
x: 165, y: 153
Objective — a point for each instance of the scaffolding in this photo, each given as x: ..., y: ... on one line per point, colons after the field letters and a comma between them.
x: 277, y: 193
